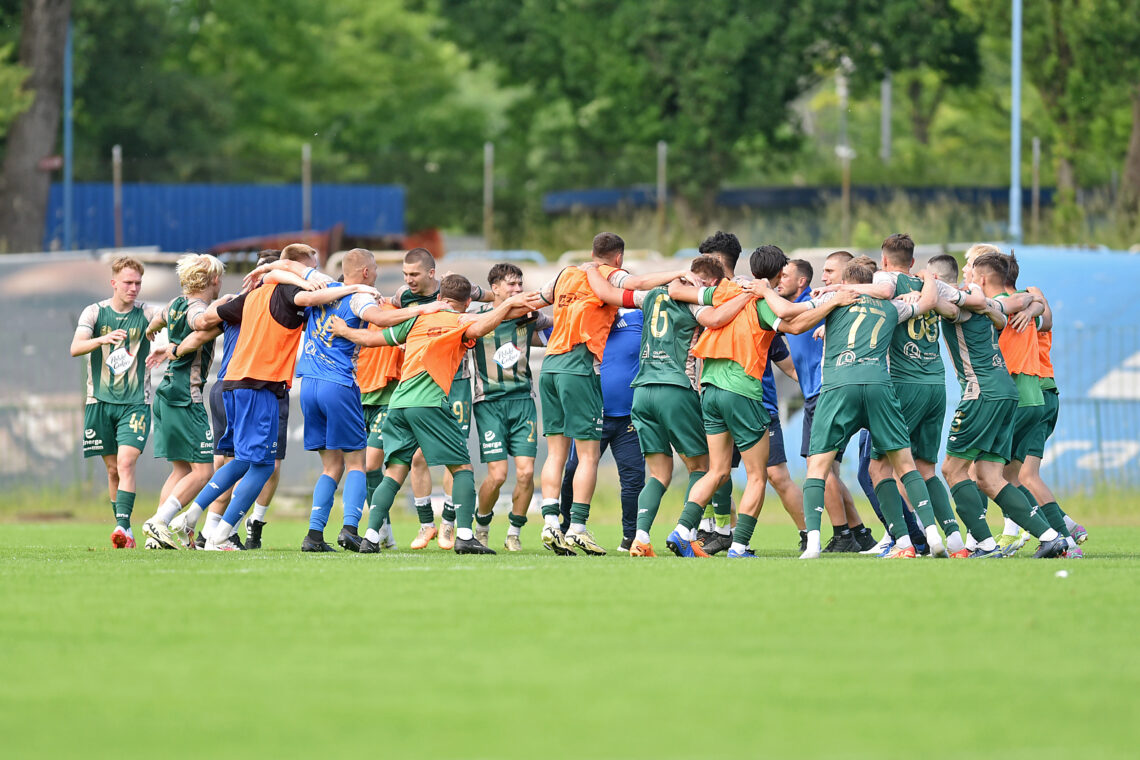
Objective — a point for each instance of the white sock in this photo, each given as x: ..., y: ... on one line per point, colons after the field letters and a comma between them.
x: 903, y: 542
x: 738, y: 547
x: 259, y: 511
x: 708, y: 523
x: 234, y: 530
x: 1070, y: 523
x: 954, y: 542
x: 988, y: 544
x: 1048, y: 535
x: 683, y: 532
x: 642, y: 536
x: 514, y: 530
x: 552, y: 522
x: 1011, y: 528
x: 812, y: 541
x: 577, y: 527
x: 1070, y: 542
x: 193, y: 515
x: 933, y: 537
x: 448, y: 522
x: 220, y: 534
x: 464, y: 534
x: 385, y: 530
x: 373, y: 536
x: 212, y: 519
x: 168, y: 510
x: 971, y: 542
x: 724, y: 531
x: 130, y: 532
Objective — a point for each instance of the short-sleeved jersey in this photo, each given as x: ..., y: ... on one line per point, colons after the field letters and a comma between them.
x: 620, y: 363
x: 807, y: 355
x: 185, y: 377
x: 667, y: 337
x: 857, y: 339
x: 502, y: 357
x: 117, y: 374
x: 914, y: 355
x: 405, y: 297
x: 777, y: 352
x: 972, y: 343
x: 324, y: 355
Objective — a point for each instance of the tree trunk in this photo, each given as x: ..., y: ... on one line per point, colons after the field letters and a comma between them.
x: 23, y: 186
x: 1130, y: 180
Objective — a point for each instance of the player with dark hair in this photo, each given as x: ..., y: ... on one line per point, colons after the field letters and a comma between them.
x: 418, y: 415
x: 506, y: 419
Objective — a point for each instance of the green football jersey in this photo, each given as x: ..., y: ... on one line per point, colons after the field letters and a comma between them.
x: 117, y: 374
x: 408, y: 298
x: 666, y: 356
x: 914, y: 354
x: 502, y: 357
x: 185, y: 376
x: 856, y: 341
x: 973, y: 345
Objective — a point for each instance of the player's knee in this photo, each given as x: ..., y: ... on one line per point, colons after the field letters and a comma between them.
x: 524, y: 471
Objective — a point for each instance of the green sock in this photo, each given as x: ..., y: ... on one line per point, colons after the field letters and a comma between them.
x: 425, y: 514
x: 373, y: 479
x: 943, y: 512
x: 449, y: 506
x: 690, y: 515
x: 708, y: 514
x: 484, y: 520
x: 124, y: 505
x: 382, y: 499
x: 722, y: 504
x: 1056, y: 517
x: 890, y: 502
x: 517, y: 521
x: 813, y: 503
x: 579, y: 512
x: 693, y: 478
x: 744, y: 527
x: 463, y: 492
x: 1015, y: 506
x: 551, y: 509
x: 648, y: 502
x: 918, y: 496
x: 971, y: 508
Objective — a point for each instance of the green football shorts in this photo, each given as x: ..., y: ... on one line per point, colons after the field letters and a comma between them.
x: 108, y: 426
x: 923, y: 409
x: 744, y: 418
x: 506, y: 427
x: 433, y: 429
x: 460, y: 402
x: 1044, y: 430
x: 843, y: 411
x: 668, y: 417
x: 1027, y: 424
x: 982, y: 429
x: 571, y: 405
x: 374, y: 416
x: 182, y: 433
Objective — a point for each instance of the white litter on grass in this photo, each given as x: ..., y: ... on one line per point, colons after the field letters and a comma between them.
x: 1062, y: 573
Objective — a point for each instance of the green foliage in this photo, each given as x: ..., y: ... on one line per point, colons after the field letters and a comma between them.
x: 13, y: 99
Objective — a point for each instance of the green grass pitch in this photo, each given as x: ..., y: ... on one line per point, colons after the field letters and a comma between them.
x: 427, y: 654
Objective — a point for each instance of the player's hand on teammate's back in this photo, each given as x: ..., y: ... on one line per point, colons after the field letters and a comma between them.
x: 1021, y: 320
x: 431, y: 307
x: 846, y: 297
x: 337, y: 326
x: 912, y: 297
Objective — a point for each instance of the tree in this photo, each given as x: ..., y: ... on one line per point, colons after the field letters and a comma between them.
x: 33, y: 135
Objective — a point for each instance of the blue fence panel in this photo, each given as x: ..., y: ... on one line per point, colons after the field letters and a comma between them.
x: 194, y: 217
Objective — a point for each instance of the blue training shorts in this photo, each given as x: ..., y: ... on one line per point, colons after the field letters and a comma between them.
x: 334, y: 416
x: 251, y: 432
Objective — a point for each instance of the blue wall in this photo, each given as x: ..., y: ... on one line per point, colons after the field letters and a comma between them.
x: 196, y: 217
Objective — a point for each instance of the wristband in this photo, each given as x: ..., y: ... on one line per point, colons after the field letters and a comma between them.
x: 627, y: 299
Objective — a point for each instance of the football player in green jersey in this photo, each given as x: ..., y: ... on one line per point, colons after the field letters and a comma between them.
x: 666, y: 404
x: 857, y: 393
x: 422, y: 286
x: 981, y: 431
x: 116, y: 419
x: 182, y: 428
x: 505, y: 415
